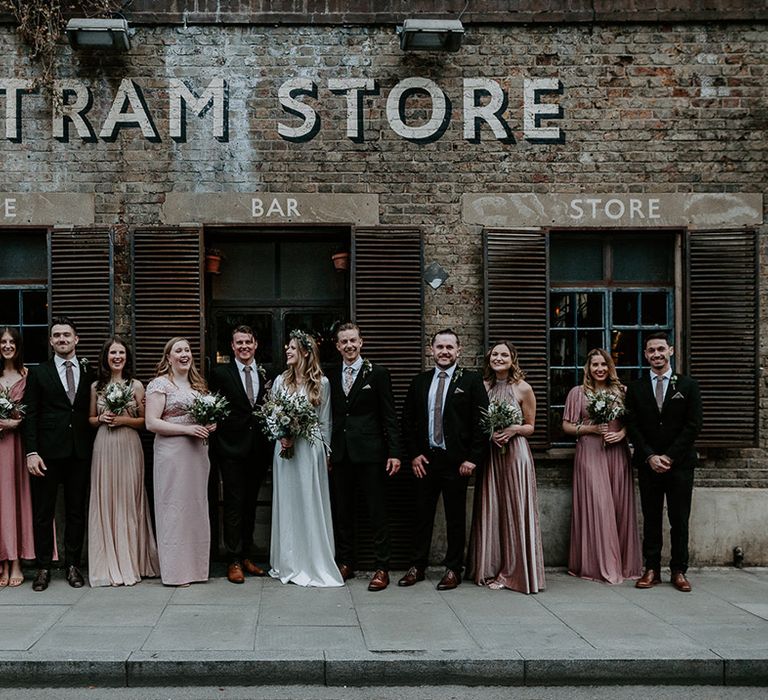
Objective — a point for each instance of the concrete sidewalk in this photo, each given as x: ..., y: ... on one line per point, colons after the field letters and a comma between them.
x: 262, y: 632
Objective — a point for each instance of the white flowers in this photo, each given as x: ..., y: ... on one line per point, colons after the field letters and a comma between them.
x: 603, y: 406
x: 287, y: 415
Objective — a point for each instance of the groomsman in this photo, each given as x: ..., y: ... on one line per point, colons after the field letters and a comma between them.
x: 241, y: 450
x: 365, y: 449
x: 446, y: 445
x: 664, y: 419
x: 59, y: 441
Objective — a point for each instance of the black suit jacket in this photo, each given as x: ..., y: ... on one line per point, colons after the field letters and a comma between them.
x: 54, y: 427
x: 365, y: 425
x: 239, y: 434
x: 671, y: 431
x: 462, y: 412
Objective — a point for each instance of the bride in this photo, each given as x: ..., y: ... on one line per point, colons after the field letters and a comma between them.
x: 302, y: 534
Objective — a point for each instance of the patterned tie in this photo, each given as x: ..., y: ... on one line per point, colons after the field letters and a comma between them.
x: 437, y: 433
x: 70, y: 381
x: 349, y: 379
x: 659, y: 392
x: 249, y: 383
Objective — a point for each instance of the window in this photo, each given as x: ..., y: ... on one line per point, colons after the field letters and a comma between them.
x: 24, y: 289
x: 606, y: 290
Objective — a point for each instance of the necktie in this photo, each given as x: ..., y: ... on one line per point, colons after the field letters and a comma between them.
x: 659, y: 392
x: 349, y: 379
x: 70, y: 381
x: 249, y: 383
x: 437, y: 433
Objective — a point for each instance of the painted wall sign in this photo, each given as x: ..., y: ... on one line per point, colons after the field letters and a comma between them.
x: 50, y: 209
x: 636, y: 210
x: 270, y: 208
x: 483, y: 101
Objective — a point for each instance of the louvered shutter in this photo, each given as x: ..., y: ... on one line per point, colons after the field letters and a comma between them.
x: 516, y: 303
x: 722, y: 333
x: 167, y: 293
x: 387, y: 303
x: 82, y: 285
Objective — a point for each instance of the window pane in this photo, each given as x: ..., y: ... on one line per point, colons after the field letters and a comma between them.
x: 625, y: 309
x: 575, y: 259
x: 590, y: 310
x: 561, y: 310
x: 587, y: 340
x: 645, y: 258
x: 35, y: 307
x: 24, y: 258
x: 9, y: 307
x: 561, y: 348
x: 261, y: 323
x: 247, y: 270
x: 562, y: 381
x: 320, y: 324
x: 625, y: 348
x: 306, y: 271
x: 35, y: 345
x: 654, y: 311
x: 556, y: 425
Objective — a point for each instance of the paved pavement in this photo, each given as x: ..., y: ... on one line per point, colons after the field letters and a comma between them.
x: 576, y: 632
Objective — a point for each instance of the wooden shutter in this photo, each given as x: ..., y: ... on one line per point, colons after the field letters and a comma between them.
x: 82, y: 285
x: 167, y: 293
x: 387, y: 303
x: 722, y: 325
x: 516, y: 303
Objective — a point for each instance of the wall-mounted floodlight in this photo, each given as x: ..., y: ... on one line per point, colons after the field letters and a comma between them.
x: 431, y: 35
x: 87, y: 33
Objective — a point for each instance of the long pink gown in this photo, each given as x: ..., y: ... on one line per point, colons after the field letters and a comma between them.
x: 605, y: 545
x: 121, y: 546
x: 181, y: 493
x: 16, y: 535
x: 505, y: 546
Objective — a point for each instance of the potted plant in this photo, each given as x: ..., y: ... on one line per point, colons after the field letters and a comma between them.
x: 340, y: 260
x: 213, y: 258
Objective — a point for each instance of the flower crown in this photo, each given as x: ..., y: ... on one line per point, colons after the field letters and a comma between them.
x: 303, y: 339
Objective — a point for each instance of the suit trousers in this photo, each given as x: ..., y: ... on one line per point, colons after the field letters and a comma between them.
x: 442, y: 477
x: 75, y: 475
x: 676, y: 485
x: 370, y: 477
x: 241, y: 479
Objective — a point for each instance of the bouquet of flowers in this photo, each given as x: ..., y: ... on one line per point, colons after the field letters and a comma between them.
x: 9, y: 409
x: 117, y: 397
x: 500, y: 415
x: 208, y: 408
x: 604, y: 406
x: 287, y: 415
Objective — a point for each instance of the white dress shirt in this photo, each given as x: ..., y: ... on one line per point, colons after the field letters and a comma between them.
x: 254, y: 377
x: 431, y: 402
x: 62, y: 370
x: 662, y: 378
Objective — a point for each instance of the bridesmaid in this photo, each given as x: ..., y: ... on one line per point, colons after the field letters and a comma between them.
x: 505, y: 548
x: 181, y: 467
x: 16, y: 536
x: 121, y: 546
x: 604, y: 540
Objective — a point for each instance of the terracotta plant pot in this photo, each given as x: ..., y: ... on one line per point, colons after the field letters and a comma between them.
x: 213, y: 264
x: 340, y: 261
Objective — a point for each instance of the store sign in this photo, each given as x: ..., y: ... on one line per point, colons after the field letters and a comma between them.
x: 601, y: 210
x: 273, y: 208
x: 483, y: 105
x: 50, y: 209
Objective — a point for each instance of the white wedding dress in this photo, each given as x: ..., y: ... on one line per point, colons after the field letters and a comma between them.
x: 301, y: 547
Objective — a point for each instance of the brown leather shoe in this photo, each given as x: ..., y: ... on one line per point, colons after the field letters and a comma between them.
x: 346, y: 571
x: 379, y: 580
x: 235, y: 573
x: 253, y: 569
x: 413, y: 575
x: 74, y: 577
x: 41, y: 580
x: 680, y: 582
x: 649, y: 579
x: 449, y: 581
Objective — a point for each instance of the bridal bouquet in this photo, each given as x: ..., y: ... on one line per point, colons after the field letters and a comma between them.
x: 288, y: 416
x: 604, y: 406
x: 117, y: 397
x: 9, y: 409
x: 500, y: 415
x: 208, y: 408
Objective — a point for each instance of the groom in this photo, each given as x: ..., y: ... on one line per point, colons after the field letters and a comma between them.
x: 664, y: 419
x: 59, y: 441
x: 242, y: 451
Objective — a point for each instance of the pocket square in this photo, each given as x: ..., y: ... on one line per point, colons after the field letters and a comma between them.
x: 459, y: 390
x: 677, y: 395
x: 367, y: 386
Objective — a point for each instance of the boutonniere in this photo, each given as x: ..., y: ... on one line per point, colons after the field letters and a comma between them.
x: 673, y: 382
x: 457, y: 374
x: 84, y: 363
x: 261, y: 372
x: 367, y: 367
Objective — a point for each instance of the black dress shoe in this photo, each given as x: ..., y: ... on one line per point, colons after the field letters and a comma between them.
x: 74, y: 577
x: 41, y: 580
x: 412, y: 576
x: 449, y: 581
